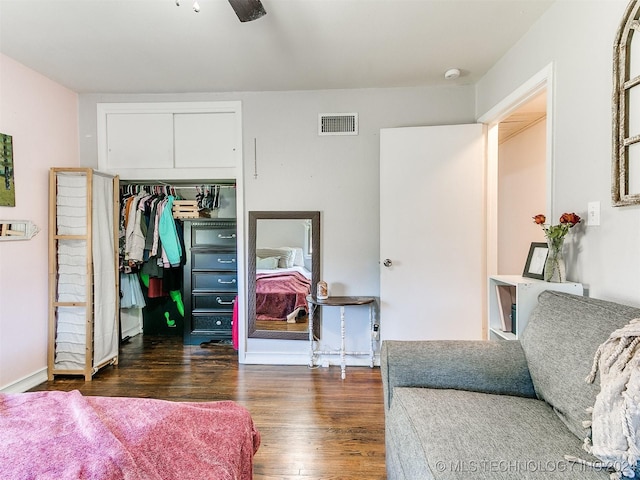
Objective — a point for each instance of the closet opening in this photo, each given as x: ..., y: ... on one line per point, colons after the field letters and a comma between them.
x: 178, y: 259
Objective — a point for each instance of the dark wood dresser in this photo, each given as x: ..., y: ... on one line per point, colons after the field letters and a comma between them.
x: 210, y: 279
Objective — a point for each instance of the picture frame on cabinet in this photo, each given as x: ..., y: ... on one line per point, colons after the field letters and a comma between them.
x: 534, y: 268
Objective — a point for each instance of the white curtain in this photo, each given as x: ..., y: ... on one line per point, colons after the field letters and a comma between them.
x: 105, y: 326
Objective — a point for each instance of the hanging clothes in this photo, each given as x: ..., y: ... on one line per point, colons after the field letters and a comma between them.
x: 208, y: 197
x: 135, y: 239
x: 132, y: 296
x: 152, y: 254
x: 150, y: 266
x: 148, y: 229
x: 169, y: 235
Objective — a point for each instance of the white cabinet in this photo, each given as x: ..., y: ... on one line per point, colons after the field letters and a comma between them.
x: 143, y: 140
x: 204, y: 139
x: 170, y: 140
x: 523, y: 293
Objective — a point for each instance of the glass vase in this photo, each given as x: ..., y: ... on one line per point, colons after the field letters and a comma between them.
x: 554, y: 267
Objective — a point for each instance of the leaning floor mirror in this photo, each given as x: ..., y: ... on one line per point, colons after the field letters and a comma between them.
x: 283, y: 268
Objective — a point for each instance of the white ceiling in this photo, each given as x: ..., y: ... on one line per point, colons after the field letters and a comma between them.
x: 154, y: 46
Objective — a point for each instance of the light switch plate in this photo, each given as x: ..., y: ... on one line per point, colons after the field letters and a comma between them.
x: 593, y: 214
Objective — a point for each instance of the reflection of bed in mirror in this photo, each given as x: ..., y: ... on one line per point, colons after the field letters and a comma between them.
x: 281, y: 295
x: 282, y: 285
x: 284, y: 259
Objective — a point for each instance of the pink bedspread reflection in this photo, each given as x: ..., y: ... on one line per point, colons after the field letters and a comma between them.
x: 280, y: 294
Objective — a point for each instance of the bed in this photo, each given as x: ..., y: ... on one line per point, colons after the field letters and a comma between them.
x: 68, y: 436
x: 282, y: 284
x: 281, y: 293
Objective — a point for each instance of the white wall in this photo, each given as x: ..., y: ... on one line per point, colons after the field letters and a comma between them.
x: 578, y: 38
x: 275, y: 233
x: 338, y: 175
x: 521, y: 195
x: 42, y: 117
x: 299, y: 170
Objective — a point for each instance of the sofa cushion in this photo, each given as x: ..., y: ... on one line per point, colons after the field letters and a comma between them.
x: 455, y: 434
x: 560, y: 341
x: 479, y: 366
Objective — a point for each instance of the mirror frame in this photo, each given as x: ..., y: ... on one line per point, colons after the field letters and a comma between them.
x: 26, y: 231
x: 622, y: 86
x: 314, y: 216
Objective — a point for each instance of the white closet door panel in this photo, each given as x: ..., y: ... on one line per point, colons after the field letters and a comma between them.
x: 205, y: 139
x: 140, y: 140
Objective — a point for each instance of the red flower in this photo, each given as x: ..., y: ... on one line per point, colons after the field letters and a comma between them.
x: 570, y: 218
x: 539, y: 219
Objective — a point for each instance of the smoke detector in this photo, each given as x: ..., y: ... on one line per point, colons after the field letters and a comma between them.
x: 452, y: 74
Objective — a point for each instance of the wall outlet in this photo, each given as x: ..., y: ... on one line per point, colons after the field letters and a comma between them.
x: 593, y: 214
x: 325, y: 363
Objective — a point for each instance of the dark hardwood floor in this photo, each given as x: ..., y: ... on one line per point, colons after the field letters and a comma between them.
x: 313, y: 424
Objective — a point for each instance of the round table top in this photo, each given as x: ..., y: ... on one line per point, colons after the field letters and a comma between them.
x: 340, y: 301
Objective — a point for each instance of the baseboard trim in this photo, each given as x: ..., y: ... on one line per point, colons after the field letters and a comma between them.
x: 264, y: 358
x: 26, y: 383
x: 268, y: 358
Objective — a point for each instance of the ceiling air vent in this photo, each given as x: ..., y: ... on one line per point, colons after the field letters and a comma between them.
x: 338, y: 124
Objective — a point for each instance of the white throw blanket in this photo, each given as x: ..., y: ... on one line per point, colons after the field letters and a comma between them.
x: 615, y: 421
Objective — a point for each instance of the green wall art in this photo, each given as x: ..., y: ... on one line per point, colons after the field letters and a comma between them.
x: 7, y: 184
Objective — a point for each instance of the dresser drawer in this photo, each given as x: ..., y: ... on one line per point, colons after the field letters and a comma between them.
x: 213, y: 301
x: 213, y: 261
x: 215, y: 237
x: 211, y: 323
x: 214, y: 281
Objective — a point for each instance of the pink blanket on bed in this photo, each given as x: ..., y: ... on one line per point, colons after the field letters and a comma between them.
x: 279, y: 294
x: 66, y: 436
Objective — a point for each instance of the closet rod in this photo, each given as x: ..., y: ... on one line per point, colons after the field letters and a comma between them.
x: 178, y: 187
x: 175, y: 187
x: 200, y: 186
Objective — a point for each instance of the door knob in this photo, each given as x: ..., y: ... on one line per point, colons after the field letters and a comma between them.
x: 387, y: 262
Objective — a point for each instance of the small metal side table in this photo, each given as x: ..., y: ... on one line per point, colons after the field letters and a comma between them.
x: 340, y: 302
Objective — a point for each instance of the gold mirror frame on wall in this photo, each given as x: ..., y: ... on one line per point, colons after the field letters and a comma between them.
x: 625, y: 181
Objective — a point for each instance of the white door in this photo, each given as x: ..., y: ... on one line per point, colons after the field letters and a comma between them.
x: 432, y: 232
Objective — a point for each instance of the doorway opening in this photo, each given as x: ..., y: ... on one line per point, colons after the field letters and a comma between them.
x: 522, y: 140
x: 519, y: 172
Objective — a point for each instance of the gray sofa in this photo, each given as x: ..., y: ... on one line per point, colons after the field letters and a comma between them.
x: 498, y: 409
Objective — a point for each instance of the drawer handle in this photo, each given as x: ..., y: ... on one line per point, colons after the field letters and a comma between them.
x: 222, y: 302
x: 233, y: 235
x: 220, y: 260
x: 218, y: 322
x: 223, y: 281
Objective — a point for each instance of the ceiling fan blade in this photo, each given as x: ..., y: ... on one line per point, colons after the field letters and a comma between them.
x: 248, y: 10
